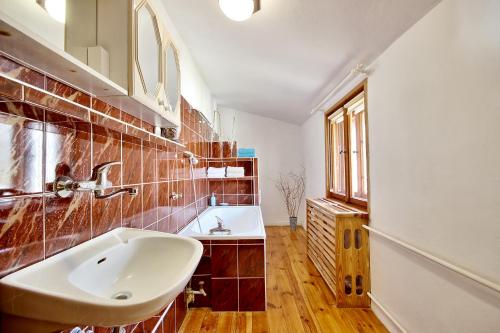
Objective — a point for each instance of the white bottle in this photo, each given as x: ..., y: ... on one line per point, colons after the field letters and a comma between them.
x: 213, y: 200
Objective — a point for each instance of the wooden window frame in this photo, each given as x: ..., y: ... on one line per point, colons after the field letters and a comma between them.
x: 348, y: 197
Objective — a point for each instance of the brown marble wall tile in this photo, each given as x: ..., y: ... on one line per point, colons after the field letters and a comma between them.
x: 149, y: 204
x: 21, y: 155
x: 20, y: 72
x: 67, y: 92
x: 230, y: 199
x: 67, y: 148
x: 225, y: 295
x: 245, y: 200
x: 163, y: 156
x: 230, y: 187
x: 10, y: 89
x: 180, y: 310
x: 108, y: 110
x: 106, y: 147
x: 167, y: 225
x: 131, y: 160
x: 251, y: 261
x: 164, y: 207
x: 224, y: 261
x: 169, y: 321
x: 216, y: 150
x: 217, y: 187
x: 67, y: 222
x: 252, y: 294
x: 54, y: 103
x: 106, y: 215
x: 21, y: 232
x: 132, y: 210
x: 23, y: 110
x: 148, y: 162
x: 245, y: 186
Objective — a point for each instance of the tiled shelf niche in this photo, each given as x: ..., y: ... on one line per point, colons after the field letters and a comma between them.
x: 241, y: 191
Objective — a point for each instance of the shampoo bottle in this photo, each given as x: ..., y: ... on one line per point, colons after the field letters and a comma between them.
x: 213, y: 200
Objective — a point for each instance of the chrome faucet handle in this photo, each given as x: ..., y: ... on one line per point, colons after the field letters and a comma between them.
x: 101, y: 173
x: 220, y: 221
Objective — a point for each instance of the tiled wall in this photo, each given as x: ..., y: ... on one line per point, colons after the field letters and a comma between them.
x: 236, y: 191
x: 233, y: 275
x: 43, y: 136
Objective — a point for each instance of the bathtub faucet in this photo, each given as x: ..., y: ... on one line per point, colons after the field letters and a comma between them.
x: 220, y: 227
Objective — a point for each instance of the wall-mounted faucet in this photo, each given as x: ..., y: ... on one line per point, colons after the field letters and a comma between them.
x: 175, y: 196
x: 64, y: 186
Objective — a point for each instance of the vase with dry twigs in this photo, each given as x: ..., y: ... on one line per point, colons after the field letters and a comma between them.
x: 291, y: 187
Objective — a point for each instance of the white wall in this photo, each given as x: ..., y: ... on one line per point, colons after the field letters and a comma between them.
x: 313, y: 147
x: 434, y: 131
x: 279, y: 149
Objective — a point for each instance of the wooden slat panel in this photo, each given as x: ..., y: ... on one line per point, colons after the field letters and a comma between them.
x: 327, y: 220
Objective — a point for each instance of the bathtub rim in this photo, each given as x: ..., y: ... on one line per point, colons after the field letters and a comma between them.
x: 262, y: 236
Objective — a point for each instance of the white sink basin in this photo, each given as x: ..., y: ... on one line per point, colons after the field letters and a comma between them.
x: 118, y: 278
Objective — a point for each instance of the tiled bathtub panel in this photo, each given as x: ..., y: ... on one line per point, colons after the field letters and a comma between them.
x: 106, y: 147
x: 225, y: 294
x: 67, y: 222
x: 21, y: 232
x: 20, y: 72
x: 224, y: 261
x: 21, y: 156
x: 251, y: 261
x: 252, y: 294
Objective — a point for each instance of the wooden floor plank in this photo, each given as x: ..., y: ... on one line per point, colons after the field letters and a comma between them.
x: 298, y: 298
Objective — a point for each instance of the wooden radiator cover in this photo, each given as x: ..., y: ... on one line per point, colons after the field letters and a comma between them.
x: 338, y: 246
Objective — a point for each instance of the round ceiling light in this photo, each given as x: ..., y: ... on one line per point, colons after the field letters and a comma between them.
x: 237, y: 10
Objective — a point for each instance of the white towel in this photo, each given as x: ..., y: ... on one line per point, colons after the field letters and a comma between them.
x: 216, y: 172
x: 235, y: 170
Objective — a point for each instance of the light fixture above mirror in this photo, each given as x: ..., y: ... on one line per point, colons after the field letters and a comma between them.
x: 239, y: 10
x: 55, y: 8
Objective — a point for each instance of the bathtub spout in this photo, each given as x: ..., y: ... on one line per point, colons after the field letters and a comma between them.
x: 220, y: 227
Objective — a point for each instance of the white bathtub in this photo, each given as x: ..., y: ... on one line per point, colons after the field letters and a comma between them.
x: 245, y: 222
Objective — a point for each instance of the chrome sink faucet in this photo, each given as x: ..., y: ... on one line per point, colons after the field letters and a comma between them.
x: 64, y: 186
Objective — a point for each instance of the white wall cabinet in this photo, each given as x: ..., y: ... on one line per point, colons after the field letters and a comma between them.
x: 142, y: 57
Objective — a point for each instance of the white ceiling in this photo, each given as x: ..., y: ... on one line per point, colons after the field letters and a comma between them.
x: 289, y: 55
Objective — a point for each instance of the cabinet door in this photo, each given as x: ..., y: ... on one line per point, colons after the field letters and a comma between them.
x: 172, y: 82
x: 148, y: 50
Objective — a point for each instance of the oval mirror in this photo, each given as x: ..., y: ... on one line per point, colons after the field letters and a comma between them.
x: 148, y: 49
x: 172, y: 76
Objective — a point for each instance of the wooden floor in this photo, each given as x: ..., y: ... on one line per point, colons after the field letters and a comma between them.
x: 298, y: 300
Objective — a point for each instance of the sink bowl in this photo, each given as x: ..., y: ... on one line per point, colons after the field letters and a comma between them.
x: 121, y: 277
